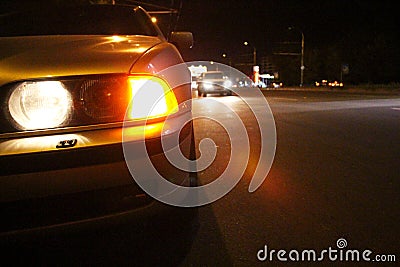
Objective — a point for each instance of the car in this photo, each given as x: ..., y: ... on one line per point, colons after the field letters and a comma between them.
x: 335, y: 84
x: 325, y: 83
x: 213, y: 82
x: 276, y: 84
x: 69, y: 73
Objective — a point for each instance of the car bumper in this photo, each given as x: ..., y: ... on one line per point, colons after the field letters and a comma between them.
x: 214, y: 89
x: 84, y: 186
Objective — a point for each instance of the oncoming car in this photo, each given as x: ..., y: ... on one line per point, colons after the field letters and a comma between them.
x: 213, y: 82
x: 68, y: 75
x: 325, y: 83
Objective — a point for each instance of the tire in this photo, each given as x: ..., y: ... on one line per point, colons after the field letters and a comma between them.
x: 200, y: 92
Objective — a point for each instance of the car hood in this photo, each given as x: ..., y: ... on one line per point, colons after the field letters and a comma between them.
x: 49, y: 56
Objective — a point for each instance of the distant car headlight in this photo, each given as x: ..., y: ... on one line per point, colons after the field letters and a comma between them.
x: 227, y: 83
x: 40, y: 105
x: 208, y: 85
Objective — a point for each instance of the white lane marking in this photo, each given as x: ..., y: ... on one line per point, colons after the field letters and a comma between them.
x: 396, y: 108
x: 285, y: 99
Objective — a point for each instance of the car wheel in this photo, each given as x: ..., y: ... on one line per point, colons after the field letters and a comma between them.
x: 200, y: 91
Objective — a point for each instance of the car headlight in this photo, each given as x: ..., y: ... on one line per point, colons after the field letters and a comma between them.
x: 88, y: 100
x: 227, y: 83
x: 39, y: 105
x: 208, y: 85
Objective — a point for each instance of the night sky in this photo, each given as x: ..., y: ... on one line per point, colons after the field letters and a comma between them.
x: 224, y: 24
x: 354, y: 29
x: 363, y: 34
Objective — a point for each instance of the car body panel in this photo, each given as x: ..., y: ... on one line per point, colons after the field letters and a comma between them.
x: 54, y: 56
x: 90, y: 160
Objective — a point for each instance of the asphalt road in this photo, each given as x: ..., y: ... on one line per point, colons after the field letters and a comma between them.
x: 335, y: 176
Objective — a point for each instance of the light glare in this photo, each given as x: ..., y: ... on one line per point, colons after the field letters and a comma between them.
x: 151, y: 97
x: 39, y: 105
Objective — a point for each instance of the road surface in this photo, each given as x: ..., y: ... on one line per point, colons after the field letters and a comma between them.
x: 335, y: 177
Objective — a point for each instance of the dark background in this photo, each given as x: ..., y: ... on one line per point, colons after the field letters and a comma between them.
x: 360, y: 34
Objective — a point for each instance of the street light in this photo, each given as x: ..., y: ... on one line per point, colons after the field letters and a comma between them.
x: 302, y: 67
x: 225, y: 56
x: 254, y: 53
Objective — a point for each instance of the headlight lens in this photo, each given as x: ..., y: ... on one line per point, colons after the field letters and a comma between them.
x: 104, y: 98
x: 40, y: 105
x: 91, y: 100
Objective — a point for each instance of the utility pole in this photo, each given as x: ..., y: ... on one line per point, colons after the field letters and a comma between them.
x: 302, y: 67
x: 254, y: 53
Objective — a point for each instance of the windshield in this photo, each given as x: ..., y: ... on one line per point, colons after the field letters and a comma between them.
x: 76, y: 20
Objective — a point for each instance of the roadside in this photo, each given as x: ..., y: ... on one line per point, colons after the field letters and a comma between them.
x: 351, y: 90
